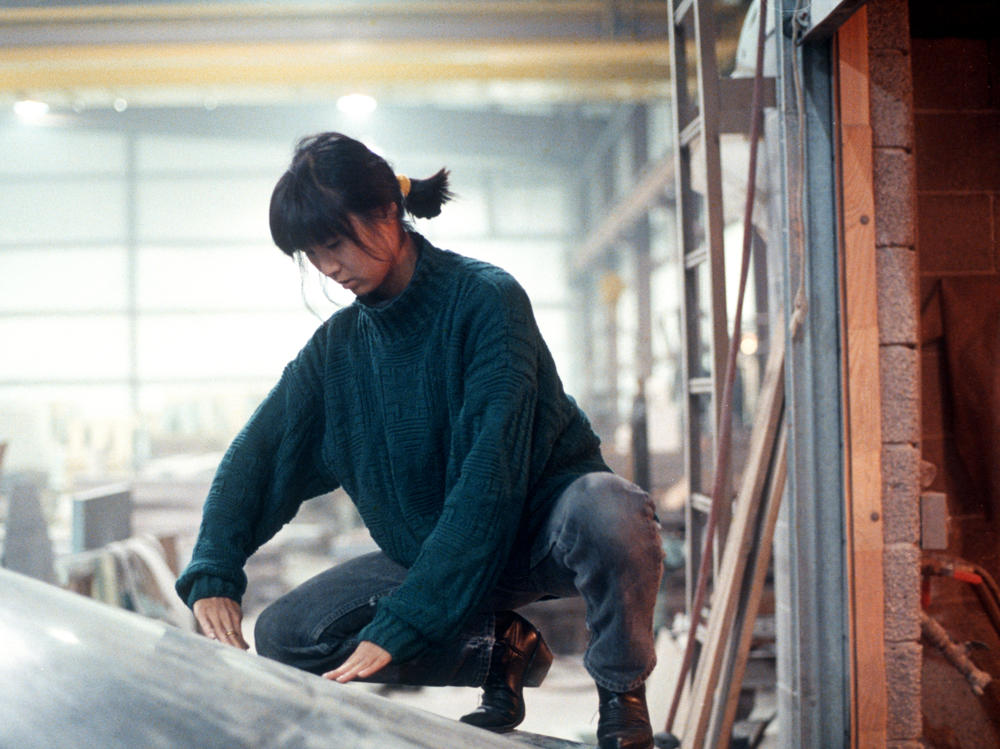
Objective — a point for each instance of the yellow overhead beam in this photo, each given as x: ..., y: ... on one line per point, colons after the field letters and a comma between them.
x: 31, y: 68
x: 202, y: 11
x: 152, y: 51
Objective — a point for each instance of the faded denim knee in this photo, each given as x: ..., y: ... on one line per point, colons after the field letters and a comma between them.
x: 604, y: 530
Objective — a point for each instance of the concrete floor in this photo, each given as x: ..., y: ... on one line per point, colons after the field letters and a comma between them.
x: 565, y: 706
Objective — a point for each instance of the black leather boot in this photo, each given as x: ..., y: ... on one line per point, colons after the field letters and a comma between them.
x: 624, y: 720
x: 520, y: 658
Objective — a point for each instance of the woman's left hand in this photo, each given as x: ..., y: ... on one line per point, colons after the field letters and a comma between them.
x: 367, y: 659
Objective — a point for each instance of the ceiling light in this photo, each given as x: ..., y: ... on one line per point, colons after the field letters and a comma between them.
x: 357, y: 105
x: 30, y: 109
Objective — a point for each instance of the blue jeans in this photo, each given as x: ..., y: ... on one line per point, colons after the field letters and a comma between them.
x: 601, y: 541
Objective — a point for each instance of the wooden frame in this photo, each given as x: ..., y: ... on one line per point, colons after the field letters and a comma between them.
x: 862, y: 388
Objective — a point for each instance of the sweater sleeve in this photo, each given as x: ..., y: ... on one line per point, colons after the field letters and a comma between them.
x: 271, y: 467
x: 462, y: 558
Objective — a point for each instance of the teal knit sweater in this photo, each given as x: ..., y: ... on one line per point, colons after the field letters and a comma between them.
x: 440, y: 414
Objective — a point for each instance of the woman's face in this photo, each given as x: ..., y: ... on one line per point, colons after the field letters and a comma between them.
x: 379, y: 267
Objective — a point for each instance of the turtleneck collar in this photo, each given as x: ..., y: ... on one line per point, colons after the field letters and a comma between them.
x: 414, y: 308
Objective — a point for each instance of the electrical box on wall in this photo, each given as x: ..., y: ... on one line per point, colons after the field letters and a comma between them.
x: 934, y: 520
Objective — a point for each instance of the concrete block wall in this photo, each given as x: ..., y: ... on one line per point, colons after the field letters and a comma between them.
x: 893, y: 139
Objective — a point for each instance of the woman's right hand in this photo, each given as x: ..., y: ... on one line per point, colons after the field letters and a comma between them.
x: 221, y: 619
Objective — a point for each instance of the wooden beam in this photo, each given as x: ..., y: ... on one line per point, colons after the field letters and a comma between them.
x: 727, y: 697
x: 740, y: 541
x: 862, y: 391
x: 655, y: 185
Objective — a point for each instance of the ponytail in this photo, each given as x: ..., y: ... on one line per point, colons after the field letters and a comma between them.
x: 426, y: 196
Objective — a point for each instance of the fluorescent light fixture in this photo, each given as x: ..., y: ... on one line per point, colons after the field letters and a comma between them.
x: 30, y: 109
x: 357, y: 105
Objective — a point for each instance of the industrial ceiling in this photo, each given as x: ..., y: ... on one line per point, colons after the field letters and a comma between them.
x: 511, y: 52
x: 518, y: 83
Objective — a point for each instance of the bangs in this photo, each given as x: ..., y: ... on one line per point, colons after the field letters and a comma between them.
x: 305, y: 214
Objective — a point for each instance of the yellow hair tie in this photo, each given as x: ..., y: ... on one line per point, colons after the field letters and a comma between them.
x: 404, y: 184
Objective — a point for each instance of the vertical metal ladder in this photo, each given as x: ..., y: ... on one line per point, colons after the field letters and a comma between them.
x: 699, y: 220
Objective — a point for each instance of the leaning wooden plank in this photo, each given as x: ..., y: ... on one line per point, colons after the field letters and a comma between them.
x: 728, y: 693
x: 739, y: 541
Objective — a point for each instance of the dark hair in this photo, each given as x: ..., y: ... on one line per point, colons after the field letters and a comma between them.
x: 333, y: 176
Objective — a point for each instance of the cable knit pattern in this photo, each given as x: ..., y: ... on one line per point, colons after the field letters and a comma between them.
x: 442, y: 416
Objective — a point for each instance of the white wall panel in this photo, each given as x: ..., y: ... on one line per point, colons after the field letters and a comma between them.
x: 33, y: 151
x: 537, y: 265
x: 158, y: 153
x: 221, y: 345
x: 63, y: 348
x: 220, y: 310
x: 217, y: 278
x: 62, y: 279
x: 204, y: 209
x: 60, y: 211
x: 531, y: 209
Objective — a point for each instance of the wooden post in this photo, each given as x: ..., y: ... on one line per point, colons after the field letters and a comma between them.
x: 862, y: 392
